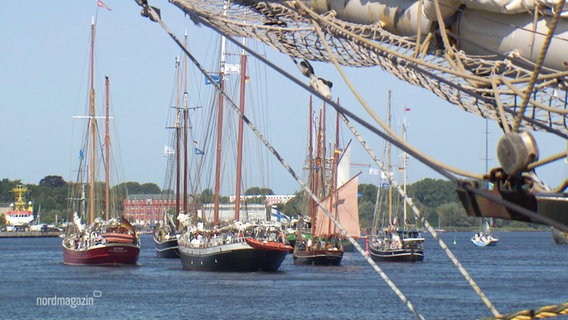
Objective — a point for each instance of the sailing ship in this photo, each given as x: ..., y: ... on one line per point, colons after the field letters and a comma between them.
x: 213, y: 241
x: 485, y: 238
x: 329, y: 178
x: 390, y: 241
x: 102, y: 240
x: 166, y: 233
x: 479, y: 57
x: 165, y: 236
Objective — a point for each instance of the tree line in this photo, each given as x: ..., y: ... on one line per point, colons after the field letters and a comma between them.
x: 436, y: 199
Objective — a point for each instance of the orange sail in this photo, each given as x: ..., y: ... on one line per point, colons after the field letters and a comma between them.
x: 345, y: 209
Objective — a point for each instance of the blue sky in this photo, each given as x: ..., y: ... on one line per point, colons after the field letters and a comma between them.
x: 45, y: 49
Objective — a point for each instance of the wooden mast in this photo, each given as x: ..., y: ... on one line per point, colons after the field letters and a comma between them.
x: 389, y: 166
x: 185, y: 127
x: 312, y: 202
x: 333, y: 181
x: 320, y: 163
x: 240, y: 134
x: 107, y: 149
x: 216, y: 194
x: 92, y: 129
x: 178, y: 137
x: 404, y: 164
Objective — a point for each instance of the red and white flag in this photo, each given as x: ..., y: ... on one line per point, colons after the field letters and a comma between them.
x: 103, y: 5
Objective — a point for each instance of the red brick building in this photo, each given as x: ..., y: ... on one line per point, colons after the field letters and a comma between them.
x: 147, y: 209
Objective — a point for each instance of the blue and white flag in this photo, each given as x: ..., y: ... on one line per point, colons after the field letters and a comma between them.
x: 276, y: 215
x: 215, y: 78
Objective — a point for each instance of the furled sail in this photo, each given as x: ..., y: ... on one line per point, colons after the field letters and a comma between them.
x: 480, y: 57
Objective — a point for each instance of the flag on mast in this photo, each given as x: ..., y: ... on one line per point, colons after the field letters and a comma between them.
x: 103, y: 5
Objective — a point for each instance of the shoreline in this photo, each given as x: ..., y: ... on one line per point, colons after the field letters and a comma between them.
x: 29, y: 234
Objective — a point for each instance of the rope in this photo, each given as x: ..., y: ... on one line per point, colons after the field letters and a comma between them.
x: 538, y: 66
x: 541, y: 313
x: 290, y: 30
x: 401, y: 296
x: 546, y: 310
x: 424, y: 222
x: 377, y: 119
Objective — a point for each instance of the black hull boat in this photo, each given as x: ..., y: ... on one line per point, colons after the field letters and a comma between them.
x: 306, y: 254
x: 166, y: 248
x: 166, y: 239
x: 400, y: 255
x: 397, y: 246
x: 318, y: 258
x: 233, y: 257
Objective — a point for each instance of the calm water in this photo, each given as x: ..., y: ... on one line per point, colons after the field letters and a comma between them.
x: 525, y: 270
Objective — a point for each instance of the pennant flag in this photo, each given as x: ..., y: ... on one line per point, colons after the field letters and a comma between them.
x: 103, y: 5
x: 374, y: 171
x: 198, y: 151
x: 215, y: 78
x: 407, y: 109
x: 81, y: 155
x: 169, y: 150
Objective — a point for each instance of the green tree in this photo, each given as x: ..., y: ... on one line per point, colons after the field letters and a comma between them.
x: 433, y: 192
x: 137, y: 188
x: 54, y: 181
x: 258, y: 191
x: 295, y: 205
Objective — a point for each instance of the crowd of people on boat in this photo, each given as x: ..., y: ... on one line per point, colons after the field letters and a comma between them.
x: 319, y: 243
x: 201, y: 238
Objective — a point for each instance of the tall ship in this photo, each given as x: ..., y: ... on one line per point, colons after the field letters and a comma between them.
x: 330, y: 180
x: 503, y: 61
x: 98, y: 234
x: 213, y: 239
x: 392, y: 238
x: 21, y: 212
x: 178, y: 155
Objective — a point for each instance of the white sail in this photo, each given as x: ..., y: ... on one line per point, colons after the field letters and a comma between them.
x: 344, y: 166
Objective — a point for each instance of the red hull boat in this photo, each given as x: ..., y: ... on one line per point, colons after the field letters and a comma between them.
x: 120, y: 247
x: 107, y: 254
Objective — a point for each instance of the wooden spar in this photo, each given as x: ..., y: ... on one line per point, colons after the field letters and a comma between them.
x: 92, y: 130
x: 312, y: 202
x: 404, y: 163
x: 319, y: 170
x: 216, y: 194
x: 333, y: 182
x: 389, y: 165
x: 185, y: 128
x: 240, y: 134
x: 178, y: 137
x: 107, y: 149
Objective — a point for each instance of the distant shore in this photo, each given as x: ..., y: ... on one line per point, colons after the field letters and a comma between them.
x: 30, y: 234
